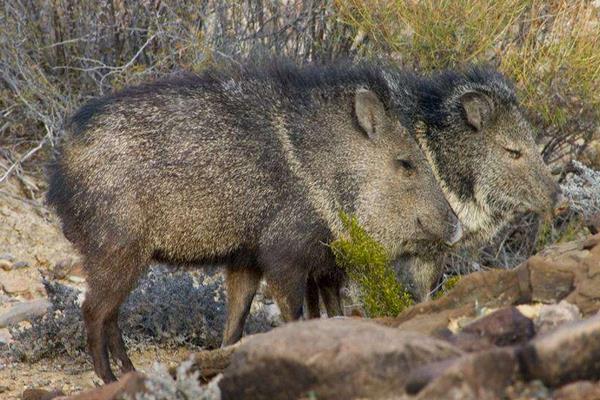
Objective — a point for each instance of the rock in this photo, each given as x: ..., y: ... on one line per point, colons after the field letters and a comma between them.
x: 567, y: 354
x: 127, y: 386
x: 76, y: 279
x: 551, y: 316
x: 549, y: 283
x: 503, y: 327
x: 5, y: 336
x: 24, y: 311
x: 4, y: 389
x: 6, y: 265
x: 210, y: 363
x: 491, y: 289
x: 14, y: 285
x: 41, y: 394
x: 7, y: 256
x: 21, y: 264
x: 581, y: 390
x: 482, y: 375
x: 421, y: 377
x: 333, y: 359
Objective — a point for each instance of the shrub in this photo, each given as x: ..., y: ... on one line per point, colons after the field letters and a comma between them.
x: 368, y: 264
x: 169, y: 308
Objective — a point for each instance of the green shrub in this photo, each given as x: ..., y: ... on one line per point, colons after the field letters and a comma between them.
x: 368, y: 264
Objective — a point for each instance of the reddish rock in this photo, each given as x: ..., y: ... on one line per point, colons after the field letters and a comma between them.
x: 569, y: 271
x: 549, y: 282
x: 503, y: 327
x: 570, y: 353
x: 333, y: 359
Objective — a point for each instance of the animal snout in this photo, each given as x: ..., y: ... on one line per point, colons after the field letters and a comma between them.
x: 457, y: 234
x: 449, y: 233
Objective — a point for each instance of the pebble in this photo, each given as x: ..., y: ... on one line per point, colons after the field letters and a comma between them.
x: 24, y: 311
x: 7, y: 256
x: 5, y: 265
x: 5, y: 336
x: 21, y: 264
x: 14, y: 285
x: 76, y: 279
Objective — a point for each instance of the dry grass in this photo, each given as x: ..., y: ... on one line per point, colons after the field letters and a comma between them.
x: 550, y: 48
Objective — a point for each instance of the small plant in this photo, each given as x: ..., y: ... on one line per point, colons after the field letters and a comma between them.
x: 368, y: 264
x: 185, y: 385
x: 448, y: 284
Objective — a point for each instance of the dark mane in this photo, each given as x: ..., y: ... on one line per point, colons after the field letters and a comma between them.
x: 290, y: 78
x: 427, y: 96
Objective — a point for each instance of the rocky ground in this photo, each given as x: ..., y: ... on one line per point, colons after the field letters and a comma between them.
x: 528, y: 333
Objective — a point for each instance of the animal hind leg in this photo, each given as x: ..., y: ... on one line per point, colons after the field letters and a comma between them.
x: 101, y: 308
x: 116, y: 344
x: 242, y: 284
x: 96, y: 340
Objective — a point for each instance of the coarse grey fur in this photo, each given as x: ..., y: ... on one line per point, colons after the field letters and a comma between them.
x: 244, y: 166
x: 481, y: 149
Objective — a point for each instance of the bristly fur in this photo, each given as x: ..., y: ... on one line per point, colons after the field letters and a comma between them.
x: 292, y: 79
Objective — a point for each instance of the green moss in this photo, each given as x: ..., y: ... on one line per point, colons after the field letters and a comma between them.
x: 368, y: 264
x: 449, y: 284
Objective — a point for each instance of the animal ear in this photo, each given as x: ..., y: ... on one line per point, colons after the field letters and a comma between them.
x: 477, y: 107
x: 370, y: 112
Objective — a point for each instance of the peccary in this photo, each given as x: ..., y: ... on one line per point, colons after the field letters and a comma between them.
x: 244, y: 166
x: 482, y: 152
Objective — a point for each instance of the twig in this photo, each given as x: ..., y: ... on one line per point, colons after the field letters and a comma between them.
x: 27, y: 156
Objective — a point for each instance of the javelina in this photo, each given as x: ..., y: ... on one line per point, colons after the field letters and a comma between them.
x: 481, y: 149
x: 482, y: 152
x: 247, y: 167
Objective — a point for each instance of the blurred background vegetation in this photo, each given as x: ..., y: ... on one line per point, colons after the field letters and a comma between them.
x: 55, y: 54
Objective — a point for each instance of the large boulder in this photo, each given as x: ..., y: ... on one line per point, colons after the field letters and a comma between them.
x: 570, y: 353
x: 332, y: 359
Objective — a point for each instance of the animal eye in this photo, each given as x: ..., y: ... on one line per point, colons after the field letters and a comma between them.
x: 516, y: 154
x: 406, y: 164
